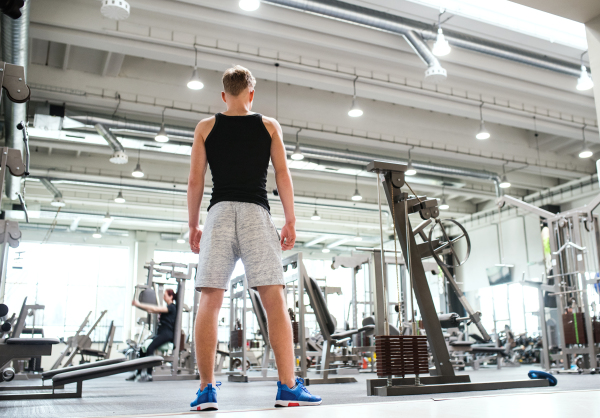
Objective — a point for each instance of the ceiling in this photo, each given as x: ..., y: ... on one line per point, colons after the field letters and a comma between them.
x: 579, y: 10
x: 137, y: 68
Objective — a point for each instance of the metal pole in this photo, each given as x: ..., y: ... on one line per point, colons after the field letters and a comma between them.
x: 382, y: 253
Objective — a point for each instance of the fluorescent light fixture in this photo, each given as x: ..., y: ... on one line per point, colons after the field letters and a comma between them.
x: 138, y: 171
x: 585, y: 153
x: 504, y: 265
x: 356, y: 197
x: 444, y: 205
x: 297, y: 154
x: 355, y: 111
x: 249, y: 5
x: 120, y: 198
x: 441, y: 46
x: 315, y: 216
x: 195, y: 83
x: 162, y: 136
x: 326, y: 250
x: 504, y: 183
x: 58, y: 202
x: 483, y: 133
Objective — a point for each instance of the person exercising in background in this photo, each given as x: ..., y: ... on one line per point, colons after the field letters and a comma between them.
x: 237, y: 145
x: 166, y: 327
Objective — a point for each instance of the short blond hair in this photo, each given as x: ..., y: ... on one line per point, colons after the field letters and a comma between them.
x: 236, y: 79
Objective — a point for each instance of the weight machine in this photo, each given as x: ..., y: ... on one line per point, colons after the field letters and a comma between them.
x: 239, y: 293
x: 182, y: 358
x: 408, y: 354
x: 575, y: 251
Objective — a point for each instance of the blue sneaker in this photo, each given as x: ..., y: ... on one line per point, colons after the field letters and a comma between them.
x: 296, y: 396
x: 206, y: 400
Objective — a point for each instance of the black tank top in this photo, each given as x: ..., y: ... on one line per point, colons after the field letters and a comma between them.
x: 238, y: 150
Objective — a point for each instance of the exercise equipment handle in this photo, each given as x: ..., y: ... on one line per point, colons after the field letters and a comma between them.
x: 22, y: 126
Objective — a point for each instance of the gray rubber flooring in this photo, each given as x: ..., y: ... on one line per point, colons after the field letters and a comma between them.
x: 113, y: 396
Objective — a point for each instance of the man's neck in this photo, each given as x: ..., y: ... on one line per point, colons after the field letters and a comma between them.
x: 238, y: 109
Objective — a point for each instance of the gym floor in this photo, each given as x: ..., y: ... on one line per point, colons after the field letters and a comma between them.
x: 113, y: 396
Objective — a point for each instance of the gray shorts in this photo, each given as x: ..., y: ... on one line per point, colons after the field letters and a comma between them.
x: 239, y: 230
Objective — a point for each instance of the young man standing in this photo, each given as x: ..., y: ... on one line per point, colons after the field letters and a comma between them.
x: 237, y: 145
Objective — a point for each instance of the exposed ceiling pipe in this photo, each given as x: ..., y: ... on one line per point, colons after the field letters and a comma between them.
x: 15, y: 50
x: 150, y: 128
x: 356, y: 159
x: 399, y: 25
x: 58, y: 197
x: 372, y: 19
x: 119, y: 156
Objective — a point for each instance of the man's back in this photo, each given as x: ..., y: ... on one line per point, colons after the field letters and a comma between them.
x: 238, y: 150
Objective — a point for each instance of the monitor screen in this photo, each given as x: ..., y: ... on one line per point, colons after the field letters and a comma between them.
x: 499, y: 275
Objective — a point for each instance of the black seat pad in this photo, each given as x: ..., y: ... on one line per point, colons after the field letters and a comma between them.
x: 492, y: 350
x: 109, y: 370
x: 351, y: 332
x: 31, y: 341
x: 91, y: 352
x: 461, y: 343
x: 322, y: 306
x: 50, y: 373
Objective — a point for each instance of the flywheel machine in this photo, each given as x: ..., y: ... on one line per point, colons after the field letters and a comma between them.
x: 402, y: 355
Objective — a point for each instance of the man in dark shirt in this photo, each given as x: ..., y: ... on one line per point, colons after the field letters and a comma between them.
x: 238, y: 145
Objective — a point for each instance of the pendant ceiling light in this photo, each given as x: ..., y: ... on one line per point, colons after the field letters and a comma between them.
x: 137, y: 172
x: 297, y: 154
x: 443, y: 205
x: 584, y: 82
x: 249, y: 5
x: 357, y: 196
x: 315, y: 216
x: 504, y: 183
x: 195, y: 83
x: 441, y: 47
x: 585, y: 152
x: 162, y: 136
x: 482, y: 133
x: 410, y: 170
x: 355, y: 111
x: 120, y: 198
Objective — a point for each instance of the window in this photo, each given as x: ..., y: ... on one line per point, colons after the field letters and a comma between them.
x: 70, y: 281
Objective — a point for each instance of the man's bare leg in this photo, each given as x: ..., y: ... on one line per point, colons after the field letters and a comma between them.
x: 280, y: 331
x: 205, y: 333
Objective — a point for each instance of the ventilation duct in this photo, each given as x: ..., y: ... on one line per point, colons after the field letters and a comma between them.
x: 373, y: 19
x: 119, y: 156
x: 415, y: 32
x: 15, y: 50
x: 133, y: 126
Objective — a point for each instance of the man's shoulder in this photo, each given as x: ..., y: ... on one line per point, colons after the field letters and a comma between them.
x: 205, y: 126
x: 270, y: 123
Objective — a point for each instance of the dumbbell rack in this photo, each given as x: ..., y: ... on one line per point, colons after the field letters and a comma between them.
x: 442, y: 378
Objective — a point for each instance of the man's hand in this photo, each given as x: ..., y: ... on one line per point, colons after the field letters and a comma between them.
x: 288, y: 236
x: 195, y: 236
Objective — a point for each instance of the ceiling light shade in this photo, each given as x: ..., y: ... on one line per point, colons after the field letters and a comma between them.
x: 249, y: 5
x: 138, y: 171
x: 315, y: 216
x: 58, y: 202
x: 356, y: 197
x: 162, y: 136
x: 297, y: 154
x: 482, y: 133
x: 435, y: 73
x: 357, y: 238
x: 584, y: 82
x: 180, y: 241
x: 195, y: 83
x: 355, y: 111
x: 120, y: 198
x: 119, y: 157
x: 504, y: 183
x: 97, y: 234
x: 441, y: 46
x: 411, y: 170
x: 444, y: 205
x: 326, y: 250
x: 585, y: 153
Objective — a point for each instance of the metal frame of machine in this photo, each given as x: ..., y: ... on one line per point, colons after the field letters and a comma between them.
x: 568, y: 246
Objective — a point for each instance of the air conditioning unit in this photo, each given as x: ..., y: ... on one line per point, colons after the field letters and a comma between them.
x: 115, y: 9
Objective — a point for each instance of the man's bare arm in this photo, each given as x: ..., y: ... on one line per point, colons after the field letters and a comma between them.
x: 198, y: 165
x: 283, y: 179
